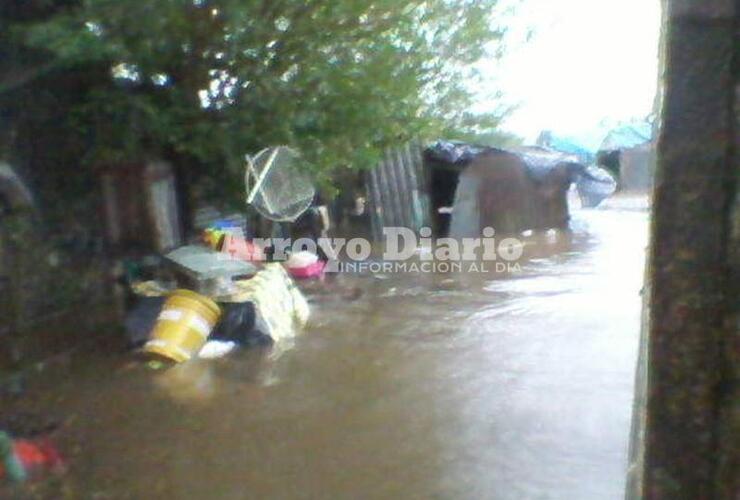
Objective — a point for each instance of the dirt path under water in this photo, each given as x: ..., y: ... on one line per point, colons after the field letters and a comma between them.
x: 428, y: 386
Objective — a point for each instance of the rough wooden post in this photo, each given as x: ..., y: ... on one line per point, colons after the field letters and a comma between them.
x: 691, y: 443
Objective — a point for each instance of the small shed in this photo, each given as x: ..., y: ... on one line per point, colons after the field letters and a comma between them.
x: 457, y: 189
x: 637, y: 167
x: 513, y: 191
x: 628, y: 152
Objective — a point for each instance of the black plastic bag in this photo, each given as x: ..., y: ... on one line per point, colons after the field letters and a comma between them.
x: 239, y: 323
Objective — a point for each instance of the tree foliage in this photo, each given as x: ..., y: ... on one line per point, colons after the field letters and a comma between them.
x: 216, y: 79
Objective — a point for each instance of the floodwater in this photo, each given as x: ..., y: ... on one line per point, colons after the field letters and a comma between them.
x: 445, y: 386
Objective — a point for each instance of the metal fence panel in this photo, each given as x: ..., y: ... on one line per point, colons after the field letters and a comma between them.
x: 397, y: 190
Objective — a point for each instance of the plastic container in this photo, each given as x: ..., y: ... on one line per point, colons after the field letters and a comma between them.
x: 183, y: 327
x: 311, y: 271
x: 301, y: 259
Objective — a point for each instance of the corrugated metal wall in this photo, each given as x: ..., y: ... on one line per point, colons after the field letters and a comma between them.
x: 398, y: 190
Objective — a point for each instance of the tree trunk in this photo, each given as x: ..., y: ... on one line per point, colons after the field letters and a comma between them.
x: 691, y: 438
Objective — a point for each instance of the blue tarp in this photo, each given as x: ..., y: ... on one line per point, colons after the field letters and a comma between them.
x: 571, y: 146
x: 627, y: 137
x: 585, y: 146
x: 568, y: 145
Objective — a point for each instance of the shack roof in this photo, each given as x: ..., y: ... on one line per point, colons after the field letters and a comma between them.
x: 538, y: 160
x: 627, y: 137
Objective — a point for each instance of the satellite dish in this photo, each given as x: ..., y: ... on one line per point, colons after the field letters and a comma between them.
x: 276, y: 185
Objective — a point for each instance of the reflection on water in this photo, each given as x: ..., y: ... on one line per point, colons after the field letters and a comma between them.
x: 434, y: 386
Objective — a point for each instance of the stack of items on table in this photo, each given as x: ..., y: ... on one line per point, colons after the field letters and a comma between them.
x: 226, y: 295
x: 226, y: 238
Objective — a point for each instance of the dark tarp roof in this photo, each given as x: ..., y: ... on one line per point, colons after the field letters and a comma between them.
x: 539, y: 161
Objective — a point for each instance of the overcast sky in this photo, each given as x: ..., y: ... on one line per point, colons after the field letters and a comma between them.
x: 586, y: 61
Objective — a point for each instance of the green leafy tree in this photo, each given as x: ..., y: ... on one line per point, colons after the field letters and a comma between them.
x: 212, y: 80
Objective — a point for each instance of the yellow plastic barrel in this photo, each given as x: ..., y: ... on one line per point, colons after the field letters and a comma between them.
x: 183, y: 326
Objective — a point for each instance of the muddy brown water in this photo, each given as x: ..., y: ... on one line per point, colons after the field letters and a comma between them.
x: 444, y: 386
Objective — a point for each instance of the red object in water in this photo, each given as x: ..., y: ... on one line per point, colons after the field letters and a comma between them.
x: 36, y: 456
x: 315, y: 270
